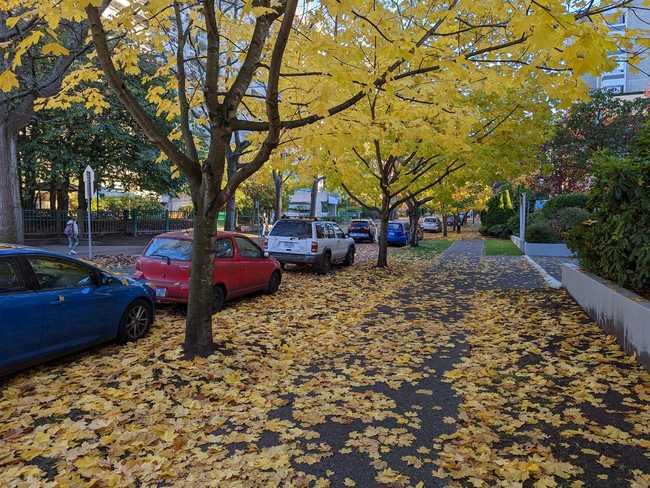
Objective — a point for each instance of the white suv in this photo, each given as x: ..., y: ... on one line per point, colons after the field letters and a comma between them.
x: 315, y: 242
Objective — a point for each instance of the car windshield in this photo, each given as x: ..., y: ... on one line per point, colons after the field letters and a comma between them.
x: 176, y: 249
x: 292, y: 228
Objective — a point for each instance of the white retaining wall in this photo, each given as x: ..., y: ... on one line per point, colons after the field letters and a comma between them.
x: 618, y: 311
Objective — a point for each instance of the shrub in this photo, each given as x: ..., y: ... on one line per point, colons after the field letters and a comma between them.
x: 494, y: 214
x: 542, y: 232
x: 513, y: 224
x: 502, y: 231
x: 555, y: 204
x: 615, y: 244
x: 567, y: 218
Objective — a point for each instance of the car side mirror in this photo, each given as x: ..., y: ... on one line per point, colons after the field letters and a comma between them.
x: 266, y: 254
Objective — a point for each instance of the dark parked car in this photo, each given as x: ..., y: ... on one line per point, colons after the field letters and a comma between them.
x: 53, y: 305
x: 362, y: 230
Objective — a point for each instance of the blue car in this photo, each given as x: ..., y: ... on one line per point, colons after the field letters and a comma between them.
x: 398, y: 233
x: 52, y: 305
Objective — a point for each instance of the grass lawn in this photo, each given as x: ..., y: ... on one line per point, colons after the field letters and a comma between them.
x: 501, y: 247
x: 428, y: 247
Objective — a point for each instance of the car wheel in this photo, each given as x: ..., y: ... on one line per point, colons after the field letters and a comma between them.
x: 219, y: 298
x: 274, y: 283
x: 135, y: 321
x: 326, y: 264
x: 349, y: 257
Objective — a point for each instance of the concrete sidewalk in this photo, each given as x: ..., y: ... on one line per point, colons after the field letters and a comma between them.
x: 100, y: 250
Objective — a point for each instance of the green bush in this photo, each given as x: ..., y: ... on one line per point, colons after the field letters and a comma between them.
x: 502, y: 231
x: 513, y: 224
x: 494, y: 214
x: 542, y: 232
x: 615, y: 244
x: 567, y: 218
x: 555, y: 204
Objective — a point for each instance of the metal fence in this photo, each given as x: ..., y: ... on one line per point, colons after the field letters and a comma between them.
x: 51, y: 223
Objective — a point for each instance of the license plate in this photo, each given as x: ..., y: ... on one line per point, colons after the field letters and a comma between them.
x: 357, y: 234
x: 161, y: 292
x: 287, y: 245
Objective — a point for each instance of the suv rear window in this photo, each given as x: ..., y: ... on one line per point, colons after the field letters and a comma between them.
x: 292, y: 228
x: 176, y: 249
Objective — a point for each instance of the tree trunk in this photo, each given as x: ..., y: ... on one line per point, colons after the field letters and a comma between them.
x: 414, y: 217
x: 279, y: 188
x: 314, y: 197
x: 444, y: 225
x: 81, y: 196
x: 382, y: 256
x: 198, y: 325
x: 11, y: 212
x: 232, y: 160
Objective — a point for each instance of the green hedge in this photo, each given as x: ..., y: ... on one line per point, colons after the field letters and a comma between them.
x: 615, y: 243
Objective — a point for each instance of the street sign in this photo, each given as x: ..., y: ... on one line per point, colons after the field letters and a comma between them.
x: 89, y: 188
x: 89, y: 182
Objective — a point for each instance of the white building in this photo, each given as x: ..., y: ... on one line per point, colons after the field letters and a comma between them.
x: 300, y: 203
x: 630, y: 76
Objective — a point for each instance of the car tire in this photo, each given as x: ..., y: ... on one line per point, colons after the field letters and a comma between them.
x: 135, y: 321
x: 325, y: 264
x: 274, y: 283
x: 349, y: 257
x: 218, y: 299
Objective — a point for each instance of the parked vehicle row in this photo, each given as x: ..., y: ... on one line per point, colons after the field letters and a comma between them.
x: 53, y: 305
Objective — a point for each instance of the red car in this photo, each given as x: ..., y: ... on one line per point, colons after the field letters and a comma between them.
x: 240, y: 267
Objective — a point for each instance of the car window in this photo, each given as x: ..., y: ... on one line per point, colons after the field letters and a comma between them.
x: 329, y: 231
x: 394, y: 227
x: 176, y: 249
x: 338, y: 232
x: 321, y: 231
x: 248, y: 249
x: 292, y: 228
x: 223, y: 248
x: 358, y: 224
x: 53, y: 274
x: 9, y: 278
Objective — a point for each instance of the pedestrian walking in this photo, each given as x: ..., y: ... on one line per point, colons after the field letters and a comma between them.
x: 71, y: 231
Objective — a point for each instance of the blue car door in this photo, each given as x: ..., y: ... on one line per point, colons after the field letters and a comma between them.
x: 21, y: 318
x: 78, y: 312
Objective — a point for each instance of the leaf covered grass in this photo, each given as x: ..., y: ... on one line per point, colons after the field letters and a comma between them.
x: 429, y: 248
x: 501, y: 247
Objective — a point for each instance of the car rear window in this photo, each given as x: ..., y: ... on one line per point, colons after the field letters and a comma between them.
x: 176, y: 249
x: 288, y: 228
x: 359, y: 223
x: 397, y: 227
x: 430, y: 219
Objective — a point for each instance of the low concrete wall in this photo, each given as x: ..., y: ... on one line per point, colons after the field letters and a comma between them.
x: 538, y: 249
x: 619, y: 312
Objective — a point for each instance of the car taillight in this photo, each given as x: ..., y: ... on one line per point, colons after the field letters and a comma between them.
x: 138, y: 274
x: 138, y: 265
x: 314, y: 246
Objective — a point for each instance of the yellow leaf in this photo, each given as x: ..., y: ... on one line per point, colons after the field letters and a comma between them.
x: 55, y: 48
x: 8, y: 81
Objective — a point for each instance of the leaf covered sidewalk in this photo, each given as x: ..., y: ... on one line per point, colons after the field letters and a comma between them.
x: 456, y: 370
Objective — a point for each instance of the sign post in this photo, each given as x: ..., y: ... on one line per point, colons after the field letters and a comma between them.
x: 89, y: 184
x: 523, y: 209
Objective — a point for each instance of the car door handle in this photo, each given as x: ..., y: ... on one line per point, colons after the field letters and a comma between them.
x: 59, y: 300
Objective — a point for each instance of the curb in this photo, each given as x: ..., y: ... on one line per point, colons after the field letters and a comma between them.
x: 550, y: 281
